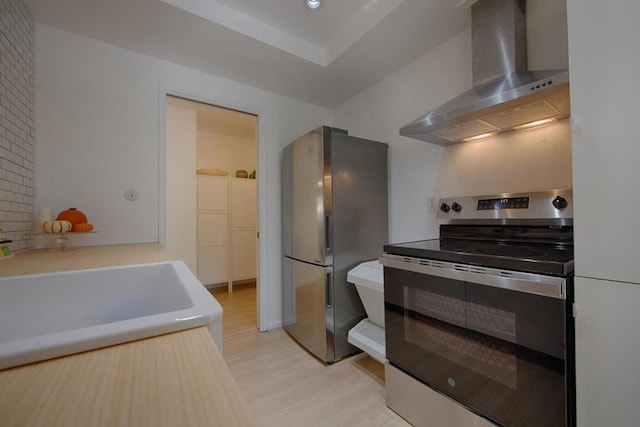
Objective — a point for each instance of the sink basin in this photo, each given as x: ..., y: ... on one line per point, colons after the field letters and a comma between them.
x: 43, y: 316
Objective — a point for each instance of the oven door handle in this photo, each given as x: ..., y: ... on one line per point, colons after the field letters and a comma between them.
x: 537, y: 284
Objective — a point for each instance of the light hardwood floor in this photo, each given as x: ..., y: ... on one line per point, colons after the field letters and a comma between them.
x: 287, y: 386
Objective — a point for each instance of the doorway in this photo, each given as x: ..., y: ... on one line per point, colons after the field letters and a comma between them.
x: 212, y: 203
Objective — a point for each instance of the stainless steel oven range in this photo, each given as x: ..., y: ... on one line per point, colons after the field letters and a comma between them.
x: 483, y: 314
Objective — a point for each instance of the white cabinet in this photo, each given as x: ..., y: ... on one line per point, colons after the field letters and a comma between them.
x: 244, y: 254
x: 243, y: 228
x: 607, y: 352
x: 226, y: 224
x: 213, y: 238
x: 213, y: 194
x: 213, y: 229
x: 213, y: 264
x: 243, y: 203
x: 606, y: 206
x: 605, y: 145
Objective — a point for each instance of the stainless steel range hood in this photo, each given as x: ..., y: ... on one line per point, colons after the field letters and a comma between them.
x: 506, y: 96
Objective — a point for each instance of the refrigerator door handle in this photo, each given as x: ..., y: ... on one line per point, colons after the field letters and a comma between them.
x: 327, y: 234
x: 327, y: 289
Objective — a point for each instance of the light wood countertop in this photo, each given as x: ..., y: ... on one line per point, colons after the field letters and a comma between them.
x: 47, y: 261
x: 177, y: 379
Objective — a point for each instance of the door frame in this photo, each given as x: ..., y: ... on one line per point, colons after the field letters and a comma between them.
x: 163, y: 92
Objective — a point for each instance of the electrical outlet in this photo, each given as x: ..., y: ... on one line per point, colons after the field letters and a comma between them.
x: 432, y: 202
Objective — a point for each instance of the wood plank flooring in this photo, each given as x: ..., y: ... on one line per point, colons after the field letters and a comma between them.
x: 239, y: 308
x: 287, y: 386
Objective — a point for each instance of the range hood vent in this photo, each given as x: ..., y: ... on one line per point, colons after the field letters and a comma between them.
x: 506, y: 96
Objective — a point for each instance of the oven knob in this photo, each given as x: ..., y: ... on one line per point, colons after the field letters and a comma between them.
x: 445, y: 207
x: 559, y: 203
x: 456, y: 207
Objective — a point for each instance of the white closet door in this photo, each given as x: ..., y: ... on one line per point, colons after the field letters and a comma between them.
x: 244, y: 254
x: 213, y: 229
x: 213, y: 265
x: 213, y: 193
x: 243, y: 203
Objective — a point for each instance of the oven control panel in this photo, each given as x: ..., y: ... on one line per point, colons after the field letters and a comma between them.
x: 554, y: 204
x: 503, y: 203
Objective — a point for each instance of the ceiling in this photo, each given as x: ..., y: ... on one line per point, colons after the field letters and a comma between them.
x: 323, y: 57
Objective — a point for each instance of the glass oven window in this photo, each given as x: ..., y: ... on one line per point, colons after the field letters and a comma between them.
x: 500, y: 352
x: 494, y: 360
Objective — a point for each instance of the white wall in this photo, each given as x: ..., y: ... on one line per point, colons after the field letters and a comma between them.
x: 524, y: 161
x: 229, y: 153
x: 181, y: 229
x: 97, y: 135
x: 547, y: 44
x: 528, y: 160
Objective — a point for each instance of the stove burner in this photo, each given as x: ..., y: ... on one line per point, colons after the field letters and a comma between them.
x: 514, y: 252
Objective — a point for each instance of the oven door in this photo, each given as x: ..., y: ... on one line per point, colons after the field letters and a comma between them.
x: 499, y: 351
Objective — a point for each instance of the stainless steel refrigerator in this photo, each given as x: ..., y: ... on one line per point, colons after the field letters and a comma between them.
x: 334, y: 202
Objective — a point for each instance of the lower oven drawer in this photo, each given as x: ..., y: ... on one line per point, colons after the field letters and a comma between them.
x: 424, y: 407
x: 500, y: 352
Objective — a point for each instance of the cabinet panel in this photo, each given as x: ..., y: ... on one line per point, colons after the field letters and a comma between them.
x: 607, y: 352
x: 243, y: 203
x: 244, y: 254
x: 605, y: 145
x: 213, y: 229
x: 213, y: 193
x: 213, y: 265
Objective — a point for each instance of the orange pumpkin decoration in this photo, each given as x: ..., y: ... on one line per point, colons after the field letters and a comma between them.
x: 82, y: 227
x: 73, y: 215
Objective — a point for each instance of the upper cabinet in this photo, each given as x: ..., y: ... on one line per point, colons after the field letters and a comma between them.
x: 604, y: 99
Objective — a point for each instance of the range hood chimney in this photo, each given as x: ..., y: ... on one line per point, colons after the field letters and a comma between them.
x: 506, y: 96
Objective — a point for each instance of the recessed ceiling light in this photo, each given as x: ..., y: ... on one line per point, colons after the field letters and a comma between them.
x: 312, y: 4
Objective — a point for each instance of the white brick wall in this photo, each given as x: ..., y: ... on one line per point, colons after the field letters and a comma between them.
x: 16, y: 122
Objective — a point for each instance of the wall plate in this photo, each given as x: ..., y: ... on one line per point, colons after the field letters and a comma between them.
x: 131, y: 195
